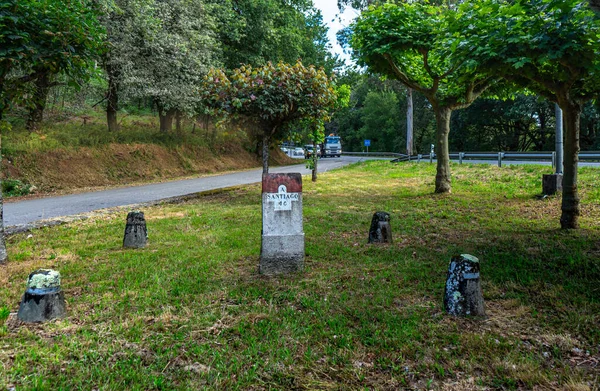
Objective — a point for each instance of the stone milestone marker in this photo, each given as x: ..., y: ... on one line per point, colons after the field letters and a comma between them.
x: 463, y: 295
x: 282, y: 248
x: 43, y: 300
x: 551, y: 183
x: 136, y: 234
x: 380, y: 231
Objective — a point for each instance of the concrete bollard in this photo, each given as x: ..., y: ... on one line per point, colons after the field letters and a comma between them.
x: 551, y: 183
x: 136, y: 234
x: 463, y: 295
x: 282, y: 246
x: 380, y: 231
x: 43, y: 300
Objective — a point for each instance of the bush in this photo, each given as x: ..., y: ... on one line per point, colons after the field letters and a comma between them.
x: 15, y: 188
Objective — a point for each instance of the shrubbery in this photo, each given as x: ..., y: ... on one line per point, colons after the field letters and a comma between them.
x: 15, y: 188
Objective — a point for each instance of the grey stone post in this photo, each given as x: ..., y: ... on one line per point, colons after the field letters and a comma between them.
x: 551, y: 183
x: 43, y: 300
x: 136, y: 234
x: 282, y: 246
x: 463, y: 295
x: 380, y: 231
x: 431, y: 151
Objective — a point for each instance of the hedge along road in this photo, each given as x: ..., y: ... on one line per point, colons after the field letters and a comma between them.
x: 23, y: 214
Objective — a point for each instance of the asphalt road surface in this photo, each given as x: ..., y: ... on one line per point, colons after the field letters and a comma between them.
x: 21, y: 213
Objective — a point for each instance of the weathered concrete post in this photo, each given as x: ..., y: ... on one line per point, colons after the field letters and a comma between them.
x: 136, y: 234
x: 380, y: 231
x: 282, y: 249
x: 463, y: 295
x: 551, y: 183
x: 43, y: 300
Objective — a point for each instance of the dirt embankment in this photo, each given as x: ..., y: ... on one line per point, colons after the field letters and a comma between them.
x: 119, y: 164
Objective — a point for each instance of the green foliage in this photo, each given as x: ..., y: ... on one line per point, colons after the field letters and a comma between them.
x: 161, y: 50
x: 351, y: 123
x: 383, y: 122
x: 414, y: 43
x: 71, y: 134
x: 343, y: 96
x: 255, y: 32
x: 274, y: 97
x: 548, y: 46
x: 15, y: 188
x: 525, y: 123
x: 50, y: 35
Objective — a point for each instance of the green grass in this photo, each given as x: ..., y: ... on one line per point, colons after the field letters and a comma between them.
x: 73, y: 131
x: 191, y: 312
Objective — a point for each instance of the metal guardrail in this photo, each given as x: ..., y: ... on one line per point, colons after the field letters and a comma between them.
x: 379, y: 154
x: 542, y: 156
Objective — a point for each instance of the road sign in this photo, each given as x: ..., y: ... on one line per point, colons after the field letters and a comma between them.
x: 367, y: 143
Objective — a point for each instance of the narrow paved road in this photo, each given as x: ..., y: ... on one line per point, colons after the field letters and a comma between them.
x: 22, y: 213
x: 25, y: 212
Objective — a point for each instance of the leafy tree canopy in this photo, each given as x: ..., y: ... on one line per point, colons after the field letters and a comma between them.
x: 255, y: 32
x: 413, y: 42
x: 548, y: 46
x: 57, y: 35
x: 274, y: 97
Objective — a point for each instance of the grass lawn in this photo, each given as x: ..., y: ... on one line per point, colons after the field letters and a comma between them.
x: 191, y: 312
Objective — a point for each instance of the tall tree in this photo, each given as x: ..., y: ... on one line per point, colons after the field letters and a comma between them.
x: 254, y: 32
x: 272, y: 97
x: 53, y: 35
x: 414, y: 43
x: 173, y: 59
x: 127, y: 23
x: 40, y: 38
x: 550, y: 47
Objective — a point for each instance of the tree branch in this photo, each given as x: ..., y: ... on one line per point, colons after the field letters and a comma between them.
x: 402, y: 76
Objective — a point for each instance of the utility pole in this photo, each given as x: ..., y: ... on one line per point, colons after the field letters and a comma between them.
x: 409, y: 122
x: 559, y: 139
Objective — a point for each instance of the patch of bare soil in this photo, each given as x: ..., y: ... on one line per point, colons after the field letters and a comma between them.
x: 87, y: 169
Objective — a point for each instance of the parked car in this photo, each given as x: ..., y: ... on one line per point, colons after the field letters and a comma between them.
x: 308, y: 151
x: 297, y: 152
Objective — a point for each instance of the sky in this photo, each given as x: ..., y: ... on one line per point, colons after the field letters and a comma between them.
x: 330, y: 10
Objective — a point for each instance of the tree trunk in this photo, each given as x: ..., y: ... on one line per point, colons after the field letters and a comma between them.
x: 178, y: 121
x: 265, y: 154
x: 40, y: 95
x: 570, y: 199
x: 166, y: 119
x: 112, y: 101
x: 3, y: 253
x: 442, y: 178
x: 315, y: 159
x: 409, y: 122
